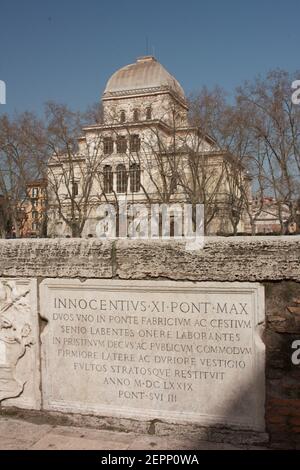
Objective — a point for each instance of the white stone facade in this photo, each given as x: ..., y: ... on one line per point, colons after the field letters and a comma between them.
x: 145, y: 124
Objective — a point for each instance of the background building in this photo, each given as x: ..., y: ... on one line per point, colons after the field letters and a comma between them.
x: 34, y: 210
x: 145, y: 150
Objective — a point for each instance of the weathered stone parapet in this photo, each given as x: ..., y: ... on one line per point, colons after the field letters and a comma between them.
x: 56, y: 258
x: 222, y: 259
x: 273, y: 262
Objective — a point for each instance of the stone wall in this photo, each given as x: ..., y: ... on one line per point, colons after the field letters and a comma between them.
x: 257, y: 259
x: 283, y: 378
x: 274, y: 262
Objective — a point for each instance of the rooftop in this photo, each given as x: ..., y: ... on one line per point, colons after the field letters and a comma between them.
x: 146, y: 75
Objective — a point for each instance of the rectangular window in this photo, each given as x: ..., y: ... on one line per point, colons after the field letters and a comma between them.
x: 121, y: 144
x: 173, y: 184
x: 135, y: 178
x: 148, y: 113
x: 121, y: 179
x: 108, y: 145
x: 108, y: 179
x: 35, y: 192
x: 135, y: 143
x: 75, y: 189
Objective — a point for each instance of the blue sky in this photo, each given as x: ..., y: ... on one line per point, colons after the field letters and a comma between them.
x: 65, y: 50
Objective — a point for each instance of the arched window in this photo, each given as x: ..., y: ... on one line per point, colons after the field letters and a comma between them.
x: 148, y: 113
x: 122, y: 116
x: 135, y: 178
x: 136, y: 115
x: 121, y: 178
x: 107, y: 179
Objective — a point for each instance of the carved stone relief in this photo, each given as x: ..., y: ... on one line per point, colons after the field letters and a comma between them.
x: 19, y: 345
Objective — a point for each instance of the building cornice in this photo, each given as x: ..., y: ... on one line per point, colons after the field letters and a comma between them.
x: 138, y: 92
x: 126, y: 125
x: 147, y: 123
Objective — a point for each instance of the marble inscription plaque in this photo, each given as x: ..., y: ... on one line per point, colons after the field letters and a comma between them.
x: 178, y: 351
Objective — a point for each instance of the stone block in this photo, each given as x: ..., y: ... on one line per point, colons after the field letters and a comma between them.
x: 173, y: 351
x: 19, y: 344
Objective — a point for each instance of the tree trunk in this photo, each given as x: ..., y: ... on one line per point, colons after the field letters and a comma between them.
x: 76, y: 232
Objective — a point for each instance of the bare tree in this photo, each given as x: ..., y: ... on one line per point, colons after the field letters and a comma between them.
x: 5, y: 222
x: 183, y: 163
x: 275, y: 125
x: 232, y: 197
x: 21, y: 149
x: 72, y: 169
